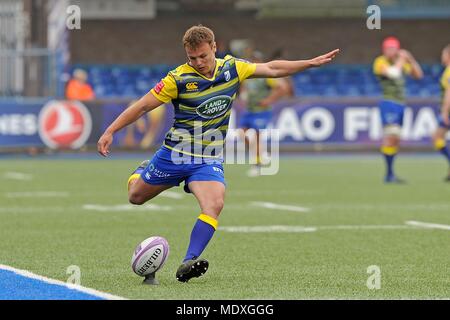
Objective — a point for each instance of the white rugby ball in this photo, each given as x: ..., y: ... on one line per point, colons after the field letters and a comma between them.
x: 150, y: 255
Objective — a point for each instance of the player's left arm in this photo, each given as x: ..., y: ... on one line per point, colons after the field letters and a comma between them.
x: 415, y: 69
x: 280, y: 89
x: 284, y: 68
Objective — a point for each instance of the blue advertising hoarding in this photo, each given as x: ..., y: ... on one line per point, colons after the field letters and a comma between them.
x: 71, y: 124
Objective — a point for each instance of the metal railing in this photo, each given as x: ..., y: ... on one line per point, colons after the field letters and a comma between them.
x: 28, y: 73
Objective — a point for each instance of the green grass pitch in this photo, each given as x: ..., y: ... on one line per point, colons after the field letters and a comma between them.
x: 48, y: 231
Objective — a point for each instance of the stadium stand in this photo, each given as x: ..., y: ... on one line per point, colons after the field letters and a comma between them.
x: 341, y: 80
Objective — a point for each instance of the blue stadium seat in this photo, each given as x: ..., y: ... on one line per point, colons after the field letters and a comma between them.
x: 333, y: 80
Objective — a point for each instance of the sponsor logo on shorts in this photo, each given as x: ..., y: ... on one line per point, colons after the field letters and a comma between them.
x: 217, y: 169
x: 153, y: 172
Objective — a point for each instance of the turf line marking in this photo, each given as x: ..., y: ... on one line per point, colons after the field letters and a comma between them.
x: 302, y: 229
x: 428, y: 225
x: 25, y: 209
x: 271, y: 205
x: 71, y: 286
x: 36, y: 194
x: 171, y: 195
x: 366, y: 227
x: 257, y: 229
x: 126, y: 207
x: 17, y: 176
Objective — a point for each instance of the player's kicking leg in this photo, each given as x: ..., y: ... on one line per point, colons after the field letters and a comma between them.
x: 210, y: 196
x: 140, y: 191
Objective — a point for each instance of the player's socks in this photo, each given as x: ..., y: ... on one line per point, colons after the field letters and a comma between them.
x: 389, y: 155
x: 441, y: 146
x: 137, y: 173
x: 258, y: 160
x: 202, y: 232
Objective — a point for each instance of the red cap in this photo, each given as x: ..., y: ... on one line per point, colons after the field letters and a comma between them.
x: 391, y: 42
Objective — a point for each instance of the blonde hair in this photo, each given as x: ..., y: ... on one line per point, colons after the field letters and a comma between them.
x: 196, y: 35
x: 80, y: 74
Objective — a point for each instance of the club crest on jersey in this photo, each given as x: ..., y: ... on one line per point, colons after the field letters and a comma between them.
x: 192, y: 86
x: 214, y: 107
x: 227, y: 75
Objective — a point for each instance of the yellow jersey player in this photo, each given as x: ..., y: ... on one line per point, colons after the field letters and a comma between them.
x: 444, y: 115
x: 201, y: 92
x: 260, y: 95
x: 390, y: 69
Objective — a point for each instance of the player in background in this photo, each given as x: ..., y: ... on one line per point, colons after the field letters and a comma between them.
x: 444, y: 116
x: 390, y: 69
x: 259, y: 95
x: 281, y: 54
x: 201, y: 91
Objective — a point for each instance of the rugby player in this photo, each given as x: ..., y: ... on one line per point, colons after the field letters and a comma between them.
x: 260, y: 94
x: 390, y: 69
x: 201, y: 91
x: 444, y: 115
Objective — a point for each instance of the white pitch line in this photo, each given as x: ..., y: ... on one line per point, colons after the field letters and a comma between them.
x: 257, y: 229
x: 125, y: 207
x: 271, y: 205
x: 18, y: 176
x: 172, y: 195
x: 36, y: 194
x: 428, y: 225
x: 72, y: 286
x: 24, y: 209
x: 302, y: 229
x: 366, y: 227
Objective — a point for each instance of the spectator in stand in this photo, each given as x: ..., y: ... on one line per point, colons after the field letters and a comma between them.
x: 78, y: 88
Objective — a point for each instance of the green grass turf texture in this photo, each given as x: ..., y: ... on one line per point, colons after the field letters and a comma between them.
x: 45, y: 235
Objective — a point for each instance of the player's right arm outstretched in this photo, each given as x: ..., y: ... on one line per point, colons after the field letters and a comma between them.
x: 130, y: 115
x: 284, y: 68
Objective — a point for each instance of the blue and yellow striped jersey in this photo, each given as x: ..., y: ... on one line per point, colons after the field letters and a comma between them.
x: 393, y: 89
x: 445, y: 79
x: 445, y: 82
x: 202, y: 105
x: 257, y: 90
